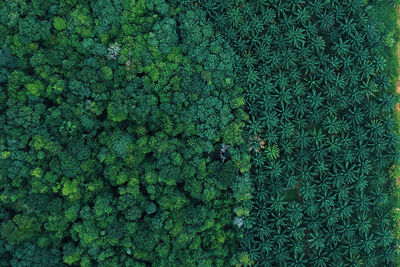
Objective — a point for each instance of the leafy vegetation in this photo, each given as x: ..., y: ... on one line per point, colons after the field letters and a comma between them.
x: 319, y: 94
x: 110, y: 111
x: 198, y: 133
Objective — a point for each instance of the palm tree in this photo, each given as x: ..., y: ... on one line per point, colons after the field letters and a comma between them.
x: 318, y: 43
x: 272, y: 152
x: 363, y: 223
x: 320, y: 165
x: 289, y: 60
x: 295, y: 37
x: 362, y: 182
x: 308, y: 191
x: 249, y: 59
x: 260, y: 209
x: 311, y: 29
x: 352, y: 75
x: 346, y: 229
x: 326, y: 21
x: 263, y: 51
x: 297, y: 231
x: 316, y: 7
x: 367, y: 243
x: 281, y: 8
x: 255, y: 126
x: 267, y: 86
x: 382, y: 218
x: 301, y: 107
x: 375, y: 128
x: 378, y: 63
x: 371, y: 258
x: 302, y: 15
x: 248, y: 245
x: 284, y: 95
x: 326, y: 198
x: 336, y: 63
x: 316, y: 240
x: 245, y: 29
x: 252, y: 76
x: 282, y: 255
x: 262, y: 194
x: 365, y: 164
x: 300, y: 122
x: 235, y: 16
x: 351, y: 247
x: 354, y: 7
x: 318, y: 136
x: 287, y: 148
x: 220, y: 20
x: 361, y: 201
x: 302, y: 139
x: 270, y: 118
x: 355, y: 115
x: 319, y: 258
x: 332, y: 124
x: 299, y: 89
x: 262, y: 230
x: 268, y: 15
x: 388, y: 254
x: 384, y: 236
x: 259, y: 160
x: 343, y: 193
x: 252, y: 109
x: 287, y: 130
x: 330, y: 216
x: 327, y: 75
x: 341, y: 48
x: 304, y: 52
x: 361, y: 54
x: 275, y: 59
x: 255, y: 39
x: 366, y: 69
x: 286, y: 112
x: 241, y: 45
x: 211, y: 9
x: 264, y: 69
x: 231, y: 34
x: 266, y: 247
x: 347, y: 26
x: 252, y: 93
x: 271, y: 138
x: 278, y: 220
x: 299, y: 259
x: 382, y: 80
x: 275, y: 168
x: 345, y: 210
x: 332, y: 236
x: 306, y: 173
x: 379, y: 198
x: 294, y: 74
x: 347, y: 63
x: 248, y: 8
x: 257, y: 24
x: 294, y: 212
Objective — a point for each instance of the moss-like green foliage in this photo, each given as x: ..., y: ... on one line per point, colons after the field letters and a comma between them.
x: 110, y: 111
x: 197, y: 133
x: 59, y: 23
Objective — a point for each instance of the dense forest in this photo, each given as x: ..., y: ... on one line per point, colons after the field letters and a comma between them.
x: 199, y: 133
